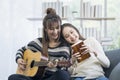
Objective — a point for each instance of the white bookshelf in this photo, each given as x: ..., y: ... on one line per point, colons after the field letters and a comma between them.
x: 96, y: 12
x: 88, y: 12
x: 78, y: 18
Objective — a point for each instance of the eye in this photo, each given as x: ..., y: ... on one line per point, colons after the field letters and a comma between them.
x: 51, y: 28
x: 66, y: 36
x: 71, y: 31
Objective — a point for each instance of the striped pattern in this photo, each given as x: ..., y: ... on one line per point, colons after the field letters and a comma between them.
x: 61, y: 52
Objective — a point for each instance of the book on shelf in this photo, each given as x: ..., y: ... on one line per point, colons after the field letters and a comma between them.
x: 55, y: 5
x: 65, y: 11
x: 86, y: 9
x: 76, y: 48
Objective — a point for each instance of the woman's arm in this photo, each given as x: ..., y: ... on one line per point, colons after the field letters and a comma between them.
x: 34, y: 45
x: 99, y: 52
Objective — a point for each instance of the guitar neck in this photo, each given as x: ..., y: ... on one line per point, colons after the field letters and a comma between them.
x: 44, y: 63
x: 41, y: 63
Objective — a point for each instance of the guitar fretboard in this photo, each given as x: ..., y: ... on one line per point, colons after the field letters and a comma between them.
x: 41, y: 63
x: 59, y: 63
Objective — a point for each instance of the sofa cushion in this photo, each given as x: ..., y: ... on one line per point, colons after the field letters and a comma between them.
x: 114, y: 57
x: 115, y: 74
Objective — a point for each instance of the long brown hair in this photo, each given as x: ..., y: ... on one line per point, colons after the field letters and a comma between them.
x: 48, y: 20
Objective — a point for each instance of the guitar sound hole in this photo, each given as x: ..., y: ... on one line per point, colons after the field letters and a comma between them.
x: 32, y: 63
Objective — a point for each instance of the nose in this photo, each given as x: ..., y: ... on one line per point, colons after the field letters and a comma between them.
x: 55, y: 31
x: 71, y: 37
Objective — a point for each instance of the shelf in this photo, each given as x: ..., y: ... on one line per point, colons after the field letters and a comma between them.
x: 108, y: 18
x: 106, y: 41
x: 35, y: 19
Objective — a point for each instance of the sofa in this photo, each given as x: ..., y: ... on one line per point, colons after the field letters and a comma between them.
x: 113, y: 72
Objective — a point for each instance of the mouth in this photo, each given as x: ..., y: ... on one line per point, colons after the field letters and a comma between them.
x: 74, y: 40
x: 55, y: 36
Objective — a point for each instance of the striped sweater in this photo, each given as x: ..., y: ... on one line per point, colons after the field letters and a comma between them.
x: 61, y: 52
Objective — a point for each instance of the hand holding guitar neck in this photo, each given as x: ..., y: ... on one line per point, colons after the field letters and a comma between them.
x: 51, y: 64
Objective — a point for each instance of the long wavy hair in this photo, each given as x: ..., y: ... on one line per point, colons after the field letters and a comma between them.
x: 48, y: 21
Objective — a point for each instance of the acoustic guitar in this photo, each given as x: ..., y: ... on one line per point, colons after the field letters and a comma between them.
x: 36, y: 63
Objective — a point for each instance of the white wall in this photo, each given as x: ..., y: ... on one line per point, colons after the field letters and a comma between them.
x: 15, y: 31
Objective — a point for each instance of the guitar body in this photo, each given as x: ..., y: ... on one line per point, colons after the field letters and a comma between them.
x: 36, y: 64
x: 29, y: 57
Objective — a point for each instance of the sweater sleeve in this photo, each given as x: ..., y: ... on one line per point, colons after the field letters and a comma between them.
x: 103, y: 59
x: 20, y: 52
x: 34, y: 45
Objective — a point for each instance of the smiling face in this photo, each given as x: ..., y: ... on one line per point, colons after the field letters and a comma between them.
x: 53, y: 31
x: 70, y: 34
